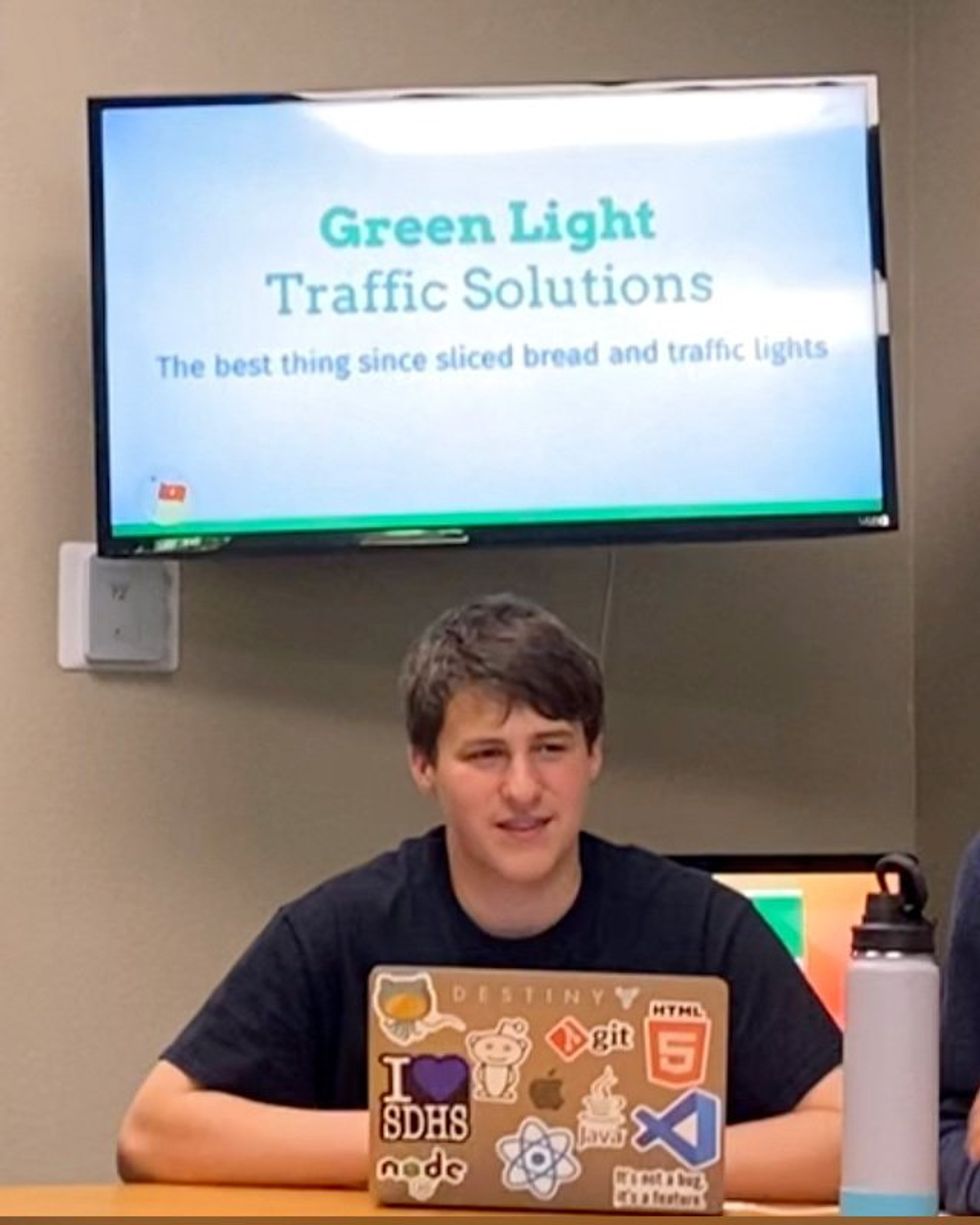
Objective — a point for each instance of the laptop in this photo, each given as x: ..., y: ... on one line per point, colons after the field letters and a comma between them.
x: 547, y: 1089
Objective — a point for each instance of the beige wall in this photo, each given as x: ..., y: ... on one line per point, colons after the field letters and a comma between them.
x: 761, y: 696
x: 946, y: 430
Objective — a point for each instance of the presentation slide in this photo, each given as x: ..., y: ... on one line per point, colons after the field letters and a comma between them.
x: 328, y: 313
x: 813, y: 914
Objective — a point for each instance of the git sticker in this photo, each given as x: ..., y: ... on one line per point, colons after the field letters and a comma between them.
x: 407, y: 1008
x: 538, y: 1158
x: 497, y: 1054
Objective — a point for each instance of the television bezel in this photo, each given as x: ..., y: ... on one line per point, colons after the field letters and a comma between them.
x: 171, y: 543
x: 790, y: 863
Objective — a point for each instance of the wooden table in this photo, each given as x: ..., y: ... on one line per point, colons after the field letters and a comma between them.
x: 156, y: 1200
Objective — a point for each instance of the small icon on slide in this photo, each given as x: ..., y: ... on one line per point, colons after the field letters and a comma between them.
x: 170, y: 502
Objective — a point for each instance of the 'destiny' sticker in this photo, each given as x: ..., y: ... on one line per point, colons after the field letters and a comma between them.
x: 655, y: 1190
x: 422, y: 1175
x: 538, y: 1158
x: 677, y: 1040
x: 626, y: 996
x: 427, y: 1098
x: 602, y: 1119
x: 497, y: 1056
x: 407, y: 1008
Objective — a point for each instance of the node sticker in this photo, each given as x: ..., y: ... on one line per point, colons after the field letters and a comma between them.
x: 422, y: 1175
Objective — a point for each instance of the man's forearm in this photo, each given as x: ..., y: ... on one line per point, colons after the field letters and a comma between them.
x: 206, y: 1136
x: 793, y: 1158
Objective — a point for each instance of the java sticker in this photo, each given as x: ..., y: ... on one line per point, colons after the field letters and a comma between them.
x: 497, y: 1055
x: 422, y: 1175
x: 538, y: 1158
x: 677, y: 1040
x: 602, y: 1119
x: 407, y: 1008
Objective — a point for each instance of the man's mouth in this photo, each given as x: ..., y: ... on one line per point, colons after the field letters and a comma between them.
x: 523, y: 825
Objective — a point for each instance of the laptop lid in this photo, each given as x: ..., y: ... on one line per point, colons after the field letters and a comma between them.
x: 547, y: 1089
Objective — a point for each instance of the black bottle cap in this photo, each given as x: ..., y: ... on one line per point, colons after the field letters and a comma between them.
x: 894, y: 922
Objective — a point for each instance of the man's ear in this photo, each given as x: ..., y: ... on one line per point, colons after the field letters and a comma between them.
x: 422, y: 768
x: 595, y: 758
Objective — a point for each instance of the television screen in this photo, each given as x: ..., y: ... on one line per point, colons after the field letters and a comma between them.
x: 811, y: 902
x: 594, y: 313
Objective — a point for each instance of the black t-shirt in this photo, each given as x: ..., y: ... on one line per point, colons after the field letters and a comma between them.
x: 288, y: 1025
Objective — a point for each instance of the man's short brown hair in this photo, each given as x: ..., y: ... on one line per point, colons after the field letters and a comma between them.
x: 516, y: 649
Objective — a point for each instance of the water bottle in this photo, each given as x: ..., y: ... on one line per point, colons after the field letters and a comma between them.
x: 890, y: 1159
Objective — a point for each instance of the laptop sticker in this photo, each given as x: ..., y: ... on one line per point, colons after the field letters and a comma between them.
x: 538, y: 1158
x: 677, y: 1039
x: 422, y: 1175
x: 545, y: 1092
x: 427, y: 1097
x: 602, y: 1119
x: 644, y: 1190
x: 626, y: 996
x: 689, y: 1129
x: 614, y: 1035
x: 497, y: 1055
x: 569, y: 1038
x: 407, y: 1008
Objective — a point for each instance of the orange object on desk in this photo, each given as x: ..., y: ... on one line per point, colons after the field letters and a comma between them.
x: 166, y: 1200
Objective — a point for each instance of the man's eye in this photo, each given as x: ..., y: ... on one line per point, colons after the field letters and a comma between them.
x: 553, y: 748
x: 484, y: 754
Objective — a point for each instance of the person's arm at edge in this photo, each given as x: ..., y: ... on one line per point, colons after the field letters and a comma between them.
x: 793, y: 1157
x: 176, y: 1131
x: 959, y: 1152
x: 959, y: 1113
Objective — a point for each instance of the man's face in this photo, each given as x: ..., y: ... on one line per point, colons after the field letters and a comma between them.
x: 512, y: 785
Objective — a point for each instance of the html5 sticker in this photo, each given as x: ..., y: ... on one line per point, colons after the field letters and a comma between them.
x: 677, y: 1040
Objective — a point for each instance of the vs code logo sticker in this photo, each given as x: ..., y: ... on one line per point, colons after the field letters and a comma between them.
x: 677, y: 1042
x: 689, y: 1129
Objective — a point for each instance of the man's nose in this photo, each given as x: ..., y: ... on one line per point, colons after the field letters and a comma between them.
x: 522, y: 786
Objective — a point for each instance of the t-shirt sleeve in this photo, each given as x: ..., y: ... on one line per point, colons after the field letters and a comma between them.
x: 782, y: 1040
x: 960, y: 1062
x: 255, y: 1035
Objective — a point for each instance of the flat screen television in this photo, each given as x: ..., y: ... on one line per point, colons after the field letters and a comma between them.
x: 810, y: 901
x: 558, y: 314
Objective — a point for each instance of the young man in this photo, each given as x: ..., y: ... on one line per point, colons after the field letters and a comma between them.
x: 504, y: 709
x: 959, y: 1112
